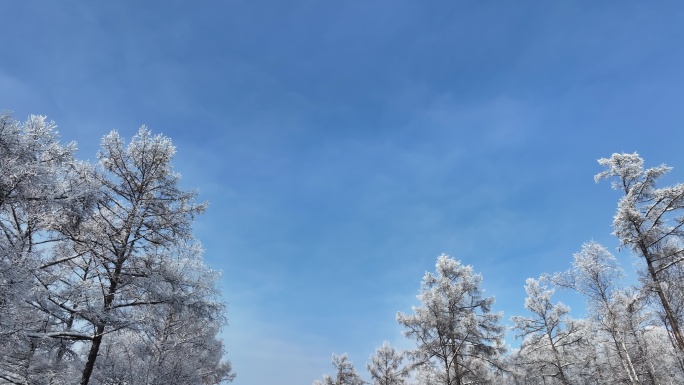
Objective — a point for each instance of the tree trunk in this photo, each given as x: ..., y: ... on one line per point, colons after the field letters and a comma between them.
x: 627, y: 361
x: 99, y: 331
x: 556, y: 356
x: 457, y: 372
x: 623, y: 353
x: 92, y: 355
x: 663, y: 300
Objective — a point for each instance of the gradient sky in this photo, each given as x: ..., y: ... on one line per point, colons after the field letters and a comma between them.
x: 344, y: 145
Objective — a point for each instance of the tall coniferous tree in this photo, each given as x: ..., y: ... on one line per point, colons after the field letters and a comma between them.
x: 458, y: 337
x: 385, y: 366
x: 649, y: 220
x: 129, y: 243
x: 346, y: 374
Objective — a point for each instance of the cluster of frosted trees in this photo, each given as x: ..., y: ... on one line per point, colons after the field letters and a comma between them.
x: 630, y: 335
x: 101, y: 281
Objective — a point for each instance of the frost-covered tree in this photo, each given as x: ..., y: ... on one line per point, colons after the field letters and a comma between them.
x: 385, y: 366
x: 459, y: 339
x: 346, y: 374
x: 173, y: 343
x: 673, y: 287
x: 660, y: 357
x: 41, y: 191
x: 649, y: 221
x: 91, y: 255
x: 641, y: 332
x: 548, y: 334
x: 126, y: 252
x: 129, y: 254
x: 595, y: 273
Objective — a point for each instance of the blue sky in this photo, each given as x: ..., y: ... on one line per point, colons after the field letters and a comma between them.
x: 343, y: 146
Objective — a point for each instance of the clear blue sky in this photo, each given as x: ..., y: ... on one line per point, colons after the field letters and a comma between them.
x: 344, y: 145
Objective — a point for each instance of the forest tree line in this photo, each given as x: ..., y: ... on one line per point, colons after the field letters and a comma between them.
x: 630, y: 334
x: 102, y: 282
x: 101, y: 279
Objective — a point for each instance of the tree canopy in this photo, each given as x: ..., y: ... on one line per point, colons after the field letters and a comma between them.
x: 99, y: 270
x: 630, y: 334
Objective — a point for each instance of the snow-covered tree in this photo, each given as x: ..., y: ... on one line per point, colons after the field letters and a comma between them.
x: 41, y: 190
x: 649, y: 221
x: 346, y: 374
x: 128, y: 249
x: 93, y: 257
x: 459, y: 339
x: 595, y: 273
x: 660, y: 356
x: 548, y: 334
x: 385, y: 366
x: 173, y: 344
x: 132, y: 252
